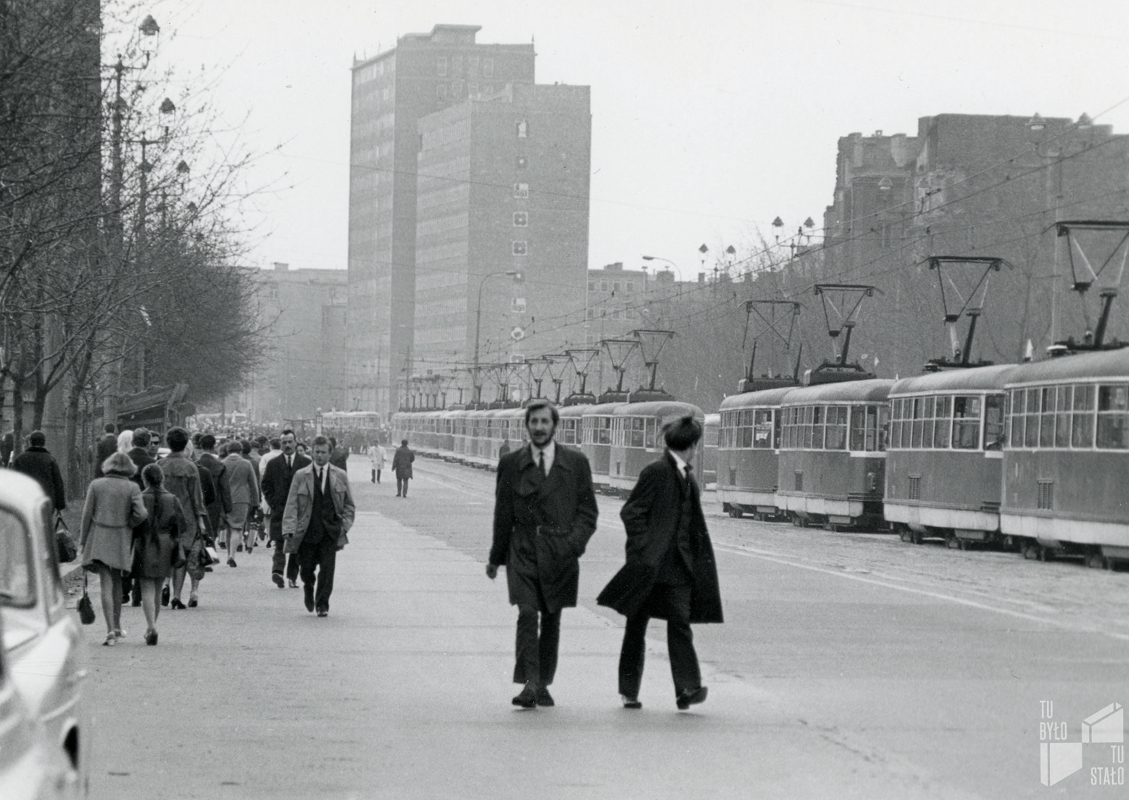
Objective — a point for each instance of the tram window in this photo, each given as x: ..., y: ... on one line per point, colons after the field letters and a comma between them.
x: 762, y: 428
x: 1047, y: 421
x: 993, y: 422
x: 652, y: 427
x: 817, y: 420
x: 1113, y: 417
x: 918, y: 410
x: 896, y: 426
x: 1063, y: 403
x: 943, y: 424
x: 877, y: 426
x: 858, y: 427
x: 836, y: 428
x: 927, y: 428
x: 604, y: 431
x: 638, y: 426
x: 966, y: 423
x: 1082, y: 430
x: 776, y: 423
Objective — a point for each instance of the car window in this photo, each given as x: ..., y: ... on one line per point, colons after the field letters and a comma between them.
x: 54, y: 597
x: 16, y: 569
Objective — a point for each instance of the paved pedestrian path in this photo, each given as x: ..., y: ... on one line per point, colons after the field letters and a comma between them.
x: 404, y: 692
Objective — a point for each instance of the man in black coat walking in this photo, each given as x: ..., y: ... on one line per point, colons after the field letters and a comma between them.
x: 105, y: 447
x: 38, y: 463
x: 402, y: 466
x: 544, y: 514
x: 277, y: 478
x: 670, y: 572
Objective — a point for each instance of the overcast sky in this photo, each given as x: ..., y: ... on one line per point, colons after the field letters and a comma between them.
x: 709, y: 119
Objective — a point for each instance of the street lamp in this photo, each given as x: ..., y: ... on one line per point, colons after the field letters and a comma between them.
x: 478, y: 326
x: 668, y: 261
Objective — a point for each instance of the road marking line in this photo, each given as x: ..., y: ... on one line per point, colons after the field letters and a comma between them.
x: 924, y: 592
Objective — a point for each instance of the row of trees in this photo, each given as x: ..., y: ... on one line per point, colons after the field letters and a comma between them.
x: 117, y: 254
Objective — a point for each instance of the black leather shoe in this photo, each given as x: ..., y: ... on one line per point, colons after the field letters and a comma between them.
x: 176, y: 604
x: 309, y: 597
x: 527, y: 698
x: 631, y: 702
x: 544, y: 698
x: 293, y: 584
x: 231, y: 562
x: 277, y: 578
x: 193, y: 602
x: 165, y: 594
x: 323, y: 612
x: 691, y: 697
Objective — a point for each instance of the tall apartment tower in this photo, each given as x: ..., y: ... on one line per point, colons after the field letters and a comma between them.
x: 503, y: 188
x: 424, y: 73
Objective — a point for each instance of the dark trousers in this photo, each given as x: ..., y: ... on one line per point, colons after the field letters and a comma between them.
x: 279, y: 560
x: 401, y: 486
x: 673, y: 602
x: 536, y: 653
x: 321, y: 557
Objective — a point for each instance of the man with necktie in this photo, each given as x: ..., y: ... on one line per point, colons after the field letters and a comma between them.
x: 544, y: 514
x: 670, y: 571
x: 315, y: 523
x: 277, y: 477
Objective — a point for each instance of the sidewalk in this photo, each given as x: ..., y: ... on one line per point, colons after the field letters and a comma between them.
x: 404, y: 692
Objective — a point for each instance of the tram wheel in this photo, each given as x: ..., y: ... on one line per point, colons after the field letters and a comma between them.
x: 1096, y: 561
x: 903, y: 534
x: 737, y: 512
x: 1030, y: 551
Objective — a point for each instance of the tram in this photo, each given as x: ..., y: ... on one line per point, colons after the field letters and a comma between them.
x: 833, y: 453
x: 1066, y: 458
x: 596, y: 442
x: 636, y: 439
x: 944, y: 456
x: 748, y: 452
x: 710, y: 431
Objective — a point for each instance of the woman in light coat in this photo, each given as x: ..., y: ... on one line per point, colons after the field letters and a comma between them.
x: 113, y: 508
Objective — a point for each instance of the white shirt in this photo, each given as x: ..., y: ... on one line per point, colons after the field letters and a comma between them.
x: 550, y: 451
x: 682, y: 465
x: 324, y: 475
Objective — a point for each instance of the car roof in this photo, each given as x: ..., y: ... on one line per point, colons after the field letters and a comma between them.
x: 20, y: 493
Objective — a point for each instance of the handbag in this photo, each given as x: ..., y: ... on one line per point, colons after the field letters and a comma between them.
x: 179, y: 556
x: 65, y: 550
x: 85, y: 607
x: 208, y: 555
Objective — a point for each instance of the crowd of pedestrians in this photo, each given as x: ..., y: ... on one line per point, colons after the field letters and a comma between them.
x: 155, y: 516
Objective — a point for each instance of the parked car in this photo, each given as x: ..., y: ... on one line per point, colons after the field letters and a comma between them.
x: 31, y: 765
x: 43, y: 642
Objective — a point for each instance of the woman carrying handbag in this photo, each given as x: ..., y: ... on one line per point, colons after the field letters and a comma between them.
x: 113, y: 508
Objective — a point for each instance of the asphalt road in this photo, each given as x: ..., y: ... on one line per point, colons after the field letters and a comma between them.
x: 850, y: 665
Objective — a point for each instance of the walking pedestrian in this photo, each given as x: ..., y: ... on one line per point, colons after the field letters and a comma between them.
x: 277, y: 479
x: 36, y: 462
x: 402, y: 465
x: 125, y: 441
x: 670, y: 571
x: 113, y: 508
x: 338, y: 456
x: 139, y: 454
x: 376, y: 457
x: 319, y: 513
x: 214, y: 465
x: 182, y: 479
x: 156, y: 541
x: 105, y: 447
x: 544, y: 514
x: 243, y: 487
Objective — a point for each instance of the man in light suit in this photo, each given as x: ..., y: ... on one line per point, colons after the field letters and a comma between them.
x: 319, y: 513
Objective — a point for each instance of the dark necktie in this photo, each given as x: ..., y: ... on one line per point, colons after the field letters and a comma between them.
x: 289, y: 464
x: 541, y: 463
x: 321, y: 486
x: 686, y: 469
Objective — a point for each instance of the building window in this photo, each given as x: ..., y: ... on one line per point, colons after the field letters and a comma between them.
x: 522, y: 162
x: 487, y: 68
x: 615, y: 286
x: 456, y: 88
x: 630, y: 285
x: 521, y: 219
x: 472, y: 89
x: 521, y: 190
x: 522, y: 129
x: 591, y: 286
x: 603, y: 286
x: 441, y: 66
x: 520, y: 248
x: 472, y: 66
x: 441, y: 91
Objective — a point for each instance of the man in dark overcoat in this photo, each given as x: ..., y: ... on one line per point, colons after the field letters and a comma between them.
x: 277, y: 477
x: 402, y: 466
x: 37, y: 462
x: 105, y: 447
x: 670, y: 571
x: 544, y: 514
